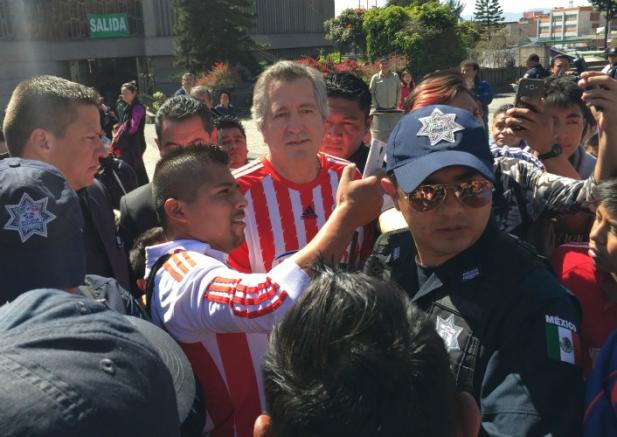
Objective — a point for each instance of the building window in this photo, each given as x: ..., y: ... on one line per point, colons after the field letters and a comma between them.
x: 68, y: 19
x: 5, y: 21
x: 595, y: 16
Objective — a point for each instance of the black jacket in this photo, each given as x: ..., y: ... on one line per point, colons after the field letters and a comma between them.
x: 105, y: 254
x: 137, y: 214
x: 493, y: 304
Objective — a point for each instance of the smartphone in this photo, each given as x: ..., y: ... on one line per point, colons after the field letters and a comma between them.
x: 529, y: 88
x: 375, y: 159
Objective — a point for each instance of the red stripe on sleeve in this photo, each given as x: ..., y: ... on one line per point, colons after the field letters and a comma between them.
x: 242, y: 381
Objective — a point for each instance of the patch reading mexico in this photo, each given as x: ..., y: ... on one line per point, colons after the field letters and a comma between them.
x: 29, y: 217
x: 562, y: 343
x: 439, y: 127
x: 449, y: 332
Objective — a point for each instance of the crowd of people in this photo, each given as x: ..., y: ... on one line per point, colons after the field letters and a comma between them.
x: 281, y: 296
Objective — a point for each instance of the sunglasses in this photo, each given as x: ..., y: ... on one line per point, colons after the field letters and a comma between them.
x: 475, y: 194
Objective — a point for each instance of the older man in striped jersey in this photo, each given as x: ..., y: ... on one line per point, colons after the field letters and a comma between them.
x: 290, y: 191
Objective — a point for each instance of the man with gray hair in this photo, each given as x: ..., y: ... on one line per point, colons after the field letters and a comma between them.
x: 291, y: 190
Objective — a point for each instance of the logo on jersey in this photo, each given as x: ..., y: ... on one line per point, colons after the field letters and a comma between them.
x: 29, y: 217
x: 439, y: 127
x: 309, y: 213
x: 449, y: 332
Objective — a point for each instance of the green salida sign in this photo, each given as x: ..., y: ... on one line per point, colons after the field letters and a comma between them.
x: 108, y: 25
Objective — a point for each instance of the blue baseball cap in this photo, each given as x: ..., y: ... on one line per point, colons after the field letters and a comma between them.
x: 69, y: 366
x: 41, y: 229
x: 434, y: 137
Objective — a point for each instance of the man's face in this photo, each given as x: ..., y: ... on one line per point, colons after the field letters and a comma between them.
x: 204, y: 99
x: 603, y: 241
x: 612, y: 59
x: 560, y: 66
x: 502, y: 134
x: 182, y: 133
x: 346, y: 126
x: 293, y: 127
x: 233, y: 142
x: 77, y: 153
x: 451, y: 227
x: 188, y: 83
x: 385, y: 66
x: 216, y: 216
x: 468, y: 72
x: 569, y: 125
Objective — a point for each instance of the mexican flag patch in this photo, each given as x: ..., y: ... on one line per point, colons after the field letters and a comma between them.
x: 562, y: 342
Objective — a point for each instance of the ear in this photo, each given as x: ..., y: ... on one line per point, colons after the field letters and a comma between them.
x: 158, y: 145
x: 467, y: 415
x: 38, y: 146
x: 175, y: 211
x: 262, y: 426
x: 391, y: 190
x: 368, y: 123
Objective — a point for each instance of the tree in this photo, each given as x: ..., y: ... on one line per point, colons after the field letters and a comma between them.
x: 427, y: 34
x: 213, y: 31
x: 488, y: 14
x: 609, y: 8
x: 346, y: 31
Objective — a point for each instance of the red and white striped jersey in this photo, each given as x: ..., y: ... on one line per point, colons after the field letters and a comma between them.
x: 282, y: 216
x: 222, y: 318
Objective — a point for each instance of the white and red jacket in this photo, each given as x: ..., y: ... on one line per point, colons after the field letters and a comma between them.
x: 221, y: 319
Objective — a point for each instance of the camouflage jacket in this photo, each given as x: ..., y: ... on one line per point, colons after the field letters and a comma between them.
x: 523, y: 193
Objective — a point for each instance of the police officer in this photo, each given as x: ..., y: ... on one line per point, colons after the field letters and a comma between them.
x: 536, y: 70
x: 510, y: 328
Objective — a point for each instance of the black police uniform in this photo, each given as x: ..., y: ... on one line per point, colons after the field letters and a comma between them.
x: 537, y: 72
x: 492, y: 304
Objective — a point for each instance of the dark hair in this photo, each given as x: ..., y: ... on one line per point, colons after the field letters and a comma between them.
x: 437, y: 88
x: 473, y: 64
x: 503, y: 109
x: 533, y: 57
x: 554, y: 58
x: 180, y: 108
x: 43, y: 102
x: 607, y: 195
x: 131, y: 86
x: 563, y: 91
x: 353, y: 357
x: 229, y: 122
x: 137, y: 255
x: 350, y: 87
x: 182, y: 171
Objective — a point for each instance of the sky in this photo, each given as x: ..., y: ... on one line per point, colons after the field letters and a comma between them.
x: 512, y: 6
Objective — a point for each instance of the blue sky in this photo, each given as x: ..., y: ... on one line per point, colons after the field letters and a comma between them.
x: 517, y: 6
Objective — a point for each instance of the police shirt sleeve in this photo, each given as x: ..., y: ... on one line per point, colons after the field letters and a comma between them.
x: 533, y: 384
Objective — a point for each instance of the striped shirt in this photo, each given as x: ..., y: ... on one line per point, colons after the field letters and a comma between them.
x: 222, y: 318
x: 282, y: 216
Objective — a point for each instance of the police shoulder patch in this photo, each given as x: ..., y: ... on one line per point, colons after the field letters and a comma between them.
x: 562, y: 341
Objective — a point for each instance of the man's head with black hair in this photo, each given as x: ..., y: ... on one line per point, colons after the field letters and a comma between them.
x: 573, y: 120
x: 349, y: 122
x: 232, y: 139
x: 54, y: 120
x: 197, y: 198
x: 603, y: 235
x: 182, y: 120
x: 137, y: 255
x: 502, y: 134
x: 378, y: 368
x: 560, y: 64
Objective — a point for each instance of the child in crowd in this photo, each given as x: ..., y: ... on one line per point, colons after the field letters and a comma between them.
x: 589, y: 270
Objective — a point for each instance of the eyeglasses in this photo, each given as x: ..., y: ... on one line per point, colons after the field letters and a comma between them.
x: 474, y: 193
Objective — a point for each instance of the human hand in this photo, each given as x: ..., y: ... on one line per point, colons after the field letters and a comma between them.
x: 600, y: 94
x: 360, y: 200
x: 532, y: 124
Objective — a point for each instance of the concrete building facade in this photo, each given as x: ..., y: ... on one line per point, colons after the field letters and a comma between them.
x: 104, y: 43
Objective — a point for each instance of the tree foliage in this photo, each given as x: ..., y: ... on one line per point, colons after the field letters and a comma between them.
x: 346, y: 31
x: 488, y: 15
x: 495, y: 52
x: 213, y: 31
x: 428, y: 34
x: 609, y: 8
